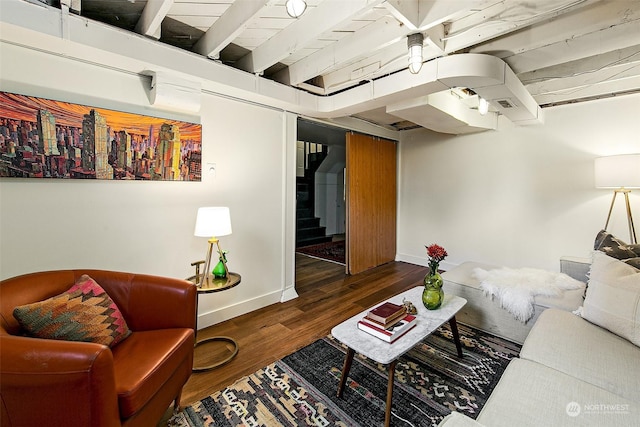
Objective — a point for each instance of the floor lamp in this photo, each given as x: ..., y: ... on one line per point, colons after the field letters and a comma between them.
x: 213, y: 222
x: 621, y: 173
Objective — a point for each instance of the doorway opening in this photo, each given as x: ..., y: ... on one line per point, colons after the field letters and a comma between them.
x: 320, y: 191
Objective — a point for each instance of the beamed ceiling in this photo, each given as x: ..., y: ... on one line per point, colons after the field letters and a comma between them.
x: 559, y: 51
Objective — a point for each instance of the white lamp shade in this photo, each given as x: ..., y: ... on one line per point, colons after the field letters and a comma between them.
x: 213, y: 222
x: 618, y: 171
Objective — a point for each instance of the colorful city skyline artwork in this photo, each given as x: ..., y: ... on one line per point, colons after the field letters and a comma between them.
x: 43, y: 138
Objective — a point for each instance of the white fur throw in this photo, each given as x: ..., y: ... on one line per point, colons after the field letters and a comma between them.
x: 516, y: 288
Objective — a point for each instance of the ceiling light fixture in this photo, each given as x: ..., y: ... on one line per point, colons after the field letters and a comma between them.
x: 295, y: 8
x: 483, y: 105
x: 414, y: 43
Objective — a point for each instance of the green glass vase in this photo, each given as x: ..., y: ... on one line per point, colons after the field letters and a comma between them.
x: 219, y: 271
x: 432, y: 295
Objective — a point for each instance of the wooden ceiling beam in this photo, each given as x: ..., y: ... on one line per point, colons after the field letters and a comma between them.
x: 74, y: 6
x: 506, y: 18
x: 416, y: 15
x: 152, y: 16
x: 375, y: 36
x: 231, y: 24
x: 604, y: 89
x: 596, y: 30
x: 380, y: 62
x: 383, y: 61
x: 577, y: 47
x: 581, y: 79
x: 627, y: 57
x: 316, y: 21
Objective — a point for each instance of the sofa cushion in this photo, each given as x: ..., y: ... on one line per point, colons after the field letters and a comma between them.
x: 569, y: 344
x: 83, y: 313
x: 532, y: 394
x: 613, y: 297
x: 456, y: 419
x: 145, y: 361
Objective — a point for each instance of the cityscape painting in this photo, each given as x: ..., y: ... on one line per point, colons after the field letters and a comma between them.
x: 42, y: 138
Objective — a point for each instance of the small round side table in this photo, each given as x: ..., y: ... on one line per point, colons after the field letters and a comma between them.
x: 214, y: 284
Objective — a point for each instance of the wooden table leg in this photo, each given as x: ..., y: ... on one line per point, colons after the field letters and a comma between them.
x: 387, y: 413
x: 456, y: 336
x: 345, y: 370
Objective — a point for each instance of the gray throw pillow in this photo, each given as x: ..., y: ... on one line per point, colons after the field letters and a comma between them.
x: 633, y: 262
x: 614, y: 247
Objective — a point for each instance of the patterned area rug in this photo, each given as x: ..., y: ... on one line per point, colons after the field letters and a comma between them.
x: 332, y: 251
x: 300, y: 390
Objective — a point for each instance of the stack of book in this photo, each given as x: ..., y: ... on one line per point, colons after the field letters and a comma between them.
x: 387, y: 321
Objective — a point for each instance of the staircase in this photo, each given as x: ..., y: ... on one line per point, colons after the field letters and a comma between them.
x: 308, y: 229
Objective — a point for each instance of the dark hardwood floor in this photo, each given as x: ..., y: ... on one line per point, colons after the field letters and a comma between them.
x: 326, y: 297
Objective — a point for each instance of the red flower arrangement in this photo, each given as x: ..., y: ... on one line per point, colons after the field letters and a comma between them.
x: 436, y: 253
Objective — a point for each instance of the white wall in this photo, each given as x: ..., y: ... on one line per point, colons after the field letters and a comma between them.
x: 519, y: 196
x: 147, y: 227
x: 329, y: 191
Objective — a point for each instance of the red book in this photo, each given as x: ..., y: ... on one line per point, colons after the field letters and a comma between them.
x: 390, y: 323
x: 386, y: 312
x: 392, y: 334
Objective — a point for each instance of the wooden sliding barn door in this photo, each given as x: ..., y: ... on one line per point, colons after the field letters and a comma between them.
x: 371, y: 202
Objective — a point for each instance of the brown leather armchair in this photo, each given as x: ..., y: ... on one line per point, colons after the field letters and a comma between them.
x: 65, y: 383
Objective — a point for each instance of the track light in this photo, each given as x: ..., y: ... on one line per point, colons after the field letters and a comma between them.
x: 414, y: 42
x: 483, y: 106
x: 295, y: 8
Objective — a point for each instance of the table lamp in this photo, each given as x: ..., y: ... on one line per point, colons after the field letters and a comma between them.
x: 213, y: 222
x: 622, y: 173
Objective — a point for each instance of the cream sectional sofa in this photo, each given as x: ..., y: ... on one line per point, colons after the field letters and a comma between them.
x: 570, y: 372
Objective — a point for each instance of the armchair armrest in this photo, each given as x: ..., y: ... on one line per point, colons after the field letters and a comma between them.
x: 75, y: 379
x: 163, y: 302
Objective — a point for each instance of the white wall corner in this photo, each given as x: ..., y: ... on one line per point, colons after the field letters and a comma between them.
x: 289, y: 144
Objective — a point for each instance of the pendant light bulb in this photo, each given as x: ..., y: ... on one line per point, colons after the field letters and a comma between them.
x: 295, y: 8
x: 483, y: 106
x: 414, y: 43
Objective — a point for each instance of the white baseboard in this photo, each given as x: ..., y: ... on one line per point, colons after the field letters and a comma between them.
x: 288, y: 294
x: 423, y: 261
x: 225, y: 313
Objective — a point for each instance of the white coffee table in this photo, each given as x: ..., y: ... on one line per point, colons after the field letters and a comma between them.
x: 386, y: 353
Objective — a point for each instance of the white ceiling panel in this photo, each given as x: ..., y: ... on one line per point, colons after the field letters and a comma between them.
x: 560, y: 50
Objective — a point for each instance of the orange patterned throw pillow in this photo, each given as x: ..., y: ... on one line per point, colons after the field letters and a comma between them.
x: 83, y: 313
